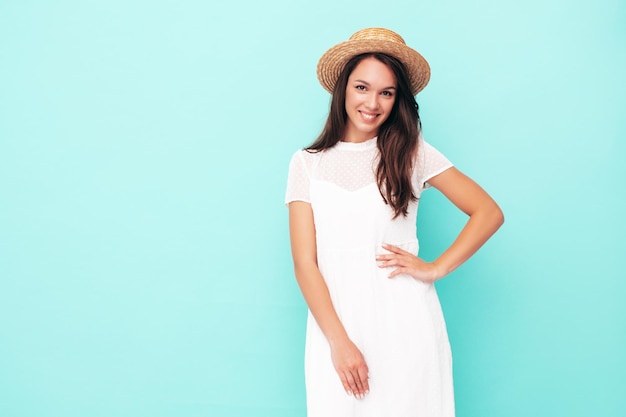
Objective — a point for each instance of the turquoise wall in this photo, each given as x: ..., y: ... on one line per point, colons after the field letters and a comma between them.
x: 144, y: 258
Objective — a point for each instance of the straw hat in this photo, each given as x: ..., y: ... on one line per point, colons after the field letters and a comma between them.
x: 382, y: 40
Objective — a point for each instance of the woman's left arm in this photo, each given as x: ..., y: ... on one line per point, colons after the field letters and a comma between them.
x: 485, y: 217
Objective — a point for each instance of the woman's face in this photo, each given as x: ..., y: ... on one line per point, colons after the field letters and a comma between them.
x: 370, y: 94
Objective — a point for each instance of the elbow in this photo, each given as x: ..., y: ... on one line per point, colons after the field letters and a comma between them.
x: 496, y: 215
x: 490, y: 215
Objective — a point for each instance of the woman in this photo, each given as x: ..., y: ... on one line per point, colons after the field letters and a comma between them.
x: 375, y: 329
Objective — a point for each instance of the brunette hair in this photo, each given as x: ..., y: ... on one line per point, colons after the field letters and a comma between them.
x: 397, y: 136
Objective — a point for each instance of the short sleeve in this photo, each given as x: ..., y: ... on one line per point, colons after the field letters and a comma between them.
x: 430, y: 163
x: 298, y: 179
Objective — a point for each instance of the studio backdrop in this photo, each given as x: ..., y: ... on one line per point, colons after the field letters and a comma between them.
x: 145, y: 268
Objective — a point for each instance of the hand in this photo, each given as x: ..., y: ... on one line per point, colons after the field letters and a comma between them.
x: 351, y: 368
x: 409, y: 264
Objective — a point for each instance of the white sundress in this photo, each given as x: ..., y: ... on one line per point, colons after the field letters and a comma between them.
x: 396, y: 323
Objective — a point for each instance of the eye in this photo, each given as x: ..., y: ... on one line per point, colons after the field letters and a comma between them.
x: 360, y: 87
x: 387, y: 93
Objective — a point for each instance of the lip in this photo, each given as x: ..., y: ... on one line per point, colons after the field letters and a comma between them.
x: 367, y: 116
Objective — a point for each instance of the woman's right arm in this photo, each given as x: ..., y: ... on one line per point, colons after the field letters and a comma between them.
x: 347, y: 358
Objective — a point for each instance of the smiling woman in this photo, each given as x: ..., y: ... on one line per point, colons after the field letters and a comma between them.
x: 375, y: 327
x: 369, y: 99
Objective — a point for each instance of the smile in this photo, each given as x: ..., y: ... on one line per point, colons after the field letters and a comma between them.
x: 368, y: 116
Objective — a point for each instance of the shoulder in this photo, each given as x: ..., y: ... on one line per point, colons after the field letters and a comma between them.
x: 427, y: 152
x: 304, y: 154
x: 430, y: 162
x: 303, y: 159
x: 307, y: 155
x: 424, y: 147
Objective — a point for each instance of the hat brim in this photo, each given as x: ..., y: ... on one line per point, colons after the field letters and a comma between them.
x: 333, y: 61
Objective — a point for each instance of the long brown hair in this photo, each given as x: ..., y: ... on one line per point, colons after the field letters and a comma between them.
x: 397, y: 136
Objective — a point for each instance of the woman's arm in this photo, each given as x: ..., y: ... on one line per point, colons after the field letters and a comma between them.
x: 347, y: 358
x: 485, y: 217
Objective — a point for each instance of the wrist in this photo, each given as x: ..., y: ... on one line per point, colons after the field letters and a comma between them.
x: 440, y: 270
x: 337, y: 339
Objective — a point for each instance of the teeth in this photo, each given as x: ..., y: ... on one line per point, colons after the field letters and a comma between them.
x: 368, y: 116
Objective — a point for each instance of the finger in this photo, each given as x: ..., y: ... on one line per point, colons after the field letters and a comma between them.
x: 393, y: 260
x: 397, y: 272
x: 360, y: 392
x: 400, y: 262
x: 354, y: 389
x: 364, y: 377
x: 387, y: 256
x: 387, y: 263
x: 395, y: 249
x: 344, y: 382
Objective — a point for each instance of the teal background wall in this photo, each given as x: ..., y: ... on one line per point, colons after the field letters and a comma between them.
x: 144, y: 258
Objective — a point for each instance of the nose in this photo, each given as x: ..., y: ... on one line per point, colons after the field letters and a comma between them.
x: 372, y: 101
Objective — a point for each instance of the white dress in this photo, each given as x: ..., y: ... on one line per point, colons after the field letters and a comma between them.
x: 396, y: 323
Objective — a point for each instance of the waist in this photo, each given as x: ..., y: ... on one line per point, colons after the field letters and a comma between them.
x: 375, y: 248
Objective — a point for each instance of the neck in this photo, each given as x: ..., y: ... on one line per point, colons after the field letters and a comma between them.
x: 358, y: 137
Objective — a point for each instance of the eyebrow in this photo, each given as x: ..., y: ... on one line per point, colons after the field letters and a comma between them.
x: 369, y: 85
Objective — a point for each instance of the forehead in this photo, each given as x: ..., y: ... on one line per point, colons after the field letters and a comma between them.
x: 373, y: 71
